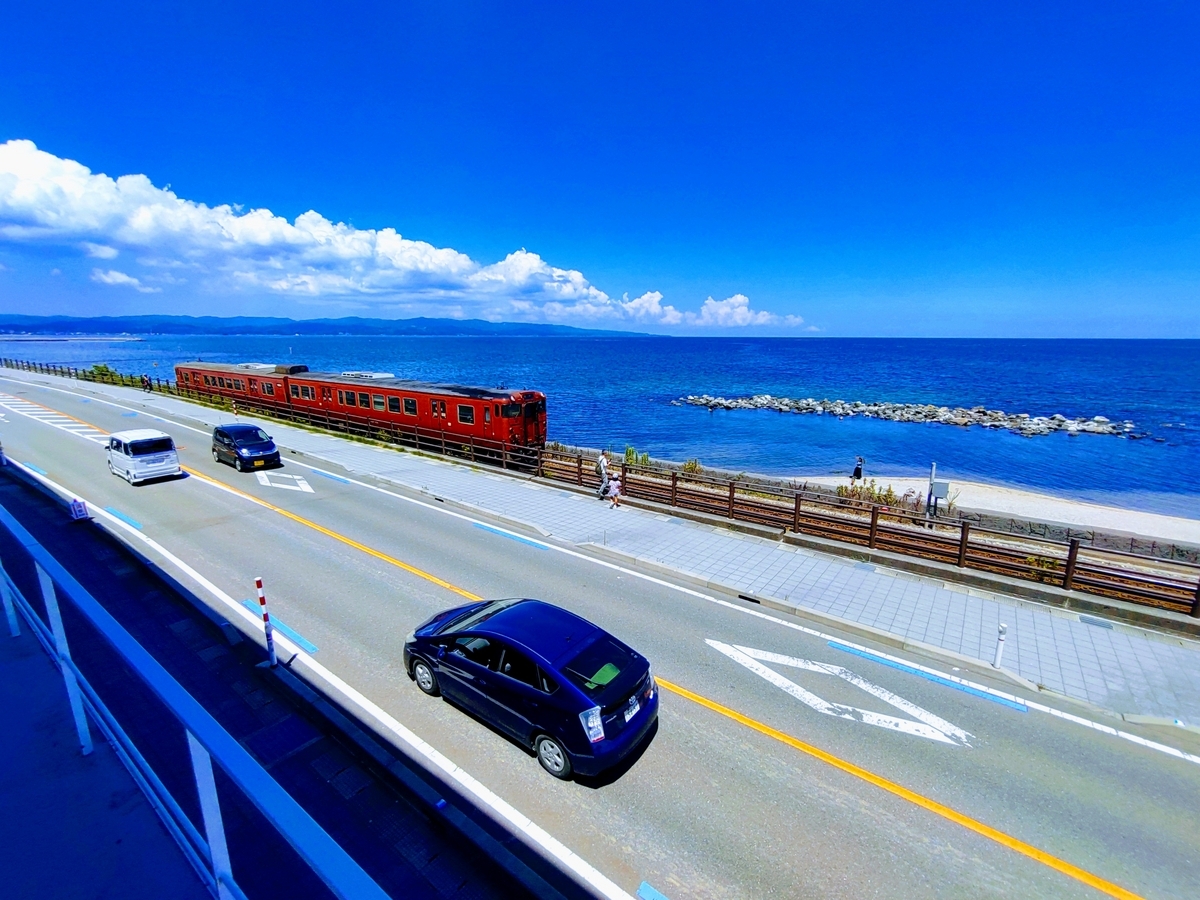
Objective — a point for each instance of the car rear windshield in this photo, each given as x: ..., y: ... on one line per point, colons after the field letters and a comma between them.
x: 598, y: 666
x: 250, y: 436
x: 152, y: 445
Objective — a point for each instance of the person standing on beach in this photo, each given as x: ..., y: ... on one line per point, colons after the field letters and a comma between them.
x: 602, y: 471
x: 857, y: 476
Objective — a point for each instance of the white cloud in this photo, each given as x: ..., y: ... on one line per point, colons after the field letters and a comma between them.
x: 99, y: 251
x: 48, y: 200
x: 112, y: 276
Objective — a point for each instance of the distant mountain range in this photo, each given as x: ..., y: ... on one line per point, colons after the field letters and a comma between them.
x: 66, y: 325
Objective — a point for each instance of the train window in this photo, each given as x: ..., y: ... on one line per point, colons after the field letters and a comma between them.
x: 532, y: 409
x: 326, y: 393
x: 184, y: 375
x: 253, y: 384
x: 487, y: 415
x: 511, y: 410
x: 308, y: 392
x: 394, y: 404
x: 378, y: 401
x: 410, y: 406
x: 364, y: 400
x: 466, y: 414
x: 220, y: 381
x: 496, y: 410
x: 207, y: 380
x: 433, y: 407
x: 238, y: 384
x: 342, y: 397
x: 268, y: 389
x: 295, y: 390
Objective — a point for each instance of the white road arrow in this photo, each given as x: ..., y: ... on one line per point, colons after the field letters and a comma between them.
x: 927, y: 725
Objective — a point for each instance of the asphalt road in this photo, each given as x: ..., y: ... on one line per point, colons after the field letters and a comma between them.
x: 717, y: 806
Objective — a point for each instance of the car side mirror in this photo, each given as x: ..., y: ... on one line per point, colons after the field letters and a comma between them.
x: 441, y: 650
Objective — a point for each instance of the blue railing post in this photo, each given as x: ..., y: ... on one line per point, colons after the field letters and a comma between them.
x: 64, y: 657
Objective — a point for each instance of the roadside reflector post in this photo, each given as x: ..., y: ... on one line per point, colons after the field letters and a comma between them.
x: 64, y: 659
x: 999, y: 645
x: 267, y: 626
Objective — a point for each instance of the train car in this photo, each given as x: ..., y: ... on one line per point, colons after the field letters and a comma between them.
x: 492, y: 415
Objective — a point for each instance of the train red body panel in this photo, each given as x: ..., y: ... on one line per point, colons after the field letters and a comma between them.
x: 500, y: 416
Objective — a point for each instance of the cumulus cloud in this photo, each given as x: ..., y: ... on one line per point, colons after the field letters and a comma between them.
x: 47, y: 200
x: 99, y: 251
x: 112, y: 276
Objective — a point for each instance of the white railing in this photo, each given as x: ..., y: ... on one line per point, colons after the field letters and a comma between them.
x: 207, y: 739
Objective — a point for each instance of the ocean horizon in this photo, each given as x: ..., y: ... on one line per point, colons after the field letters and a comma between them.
x: 606, y: 391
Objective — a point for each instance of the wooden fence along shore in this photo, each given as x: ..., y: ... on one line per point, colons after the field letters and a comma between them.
x: 1071, y: 565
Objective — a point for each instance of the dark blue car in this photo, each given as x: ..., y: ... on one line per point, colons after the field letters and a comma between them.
x: 556, y: 683
x: 244, y: 446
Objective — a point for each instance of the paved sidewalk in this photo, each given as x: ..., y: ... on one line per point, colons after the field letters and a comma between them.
x: 1121, y: 668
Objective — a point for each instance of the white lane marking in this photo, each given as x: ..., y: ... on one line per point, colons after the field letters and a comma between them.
x: 53, y: 419
x: 537, y: 835
x: 1057, y: 713
x: 748, y: 657
x: 288, y: 482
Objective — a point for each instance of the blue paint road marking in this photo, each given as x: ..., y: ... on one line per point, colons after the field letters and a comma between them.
x: 124, y: 518
x: 128, y: 415
x: 511, y: 537
x: 34, y: 468
x: 966, y: 689
x: 332, y: 477
x: 648, y: 893
x: 305, y: 645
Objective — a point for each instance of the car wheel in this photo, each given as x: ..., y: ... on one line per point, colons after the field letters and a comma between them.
x: 237, y: 463
x: 216, y: 455
x: 425, y: 678
x: 129, y: 476
x: 111, y: 470
x: 552, y: 756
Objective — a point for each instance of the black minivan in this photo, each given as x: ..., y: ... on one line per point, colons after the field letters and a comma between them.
x: 245, y: 446
x: 554, y: 682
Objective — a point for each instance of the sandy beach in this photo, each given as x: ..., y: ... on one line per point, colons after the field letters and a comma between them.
x: 1044, y: 507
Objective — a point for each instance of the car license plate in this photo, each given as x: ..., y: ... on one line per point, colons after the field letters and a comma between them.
x: 258, y: 462
x: 632, y: 711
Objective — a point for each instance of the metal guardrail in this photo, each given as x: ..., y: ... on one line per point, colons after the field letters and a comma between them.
x: 1071, y: 565
x: 207, y: 740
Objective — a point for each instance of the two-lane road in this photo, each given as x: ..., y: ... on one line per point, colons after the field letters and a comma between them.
x: 789, y: 763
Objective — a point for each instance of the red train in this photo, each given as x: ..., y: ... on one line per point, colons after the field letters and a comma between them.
x: 500, y: 416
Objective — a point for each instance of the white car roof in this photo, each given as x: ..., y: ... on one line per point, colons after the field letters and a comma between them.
x: 138, y: 434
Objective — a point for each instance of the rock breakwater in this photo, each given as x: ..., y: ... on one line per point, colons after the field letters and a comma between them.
x: 1018, y: 423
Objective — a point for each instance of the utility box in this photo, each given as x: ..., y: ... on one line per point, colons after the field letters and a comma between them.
x: 941, y: 490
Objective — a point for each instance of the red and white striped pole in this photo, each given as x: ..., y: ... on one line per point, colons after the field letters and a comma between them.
x: 267, y: 627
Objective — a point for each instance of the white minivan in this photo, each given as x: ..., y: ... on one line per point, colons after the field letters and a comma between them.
x: 141, y: 454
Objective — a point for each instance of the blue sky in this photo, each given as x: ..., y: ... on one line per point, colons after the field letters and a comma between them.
x: 800, y: 168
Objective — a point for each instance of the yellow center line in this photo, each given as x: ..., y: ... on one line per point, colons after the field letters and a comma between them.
x: 349, y: 542
x: 891, y: 787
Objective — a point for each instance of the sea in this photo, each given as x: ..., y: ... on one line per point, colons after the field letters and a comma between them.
x: 617, y: 392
